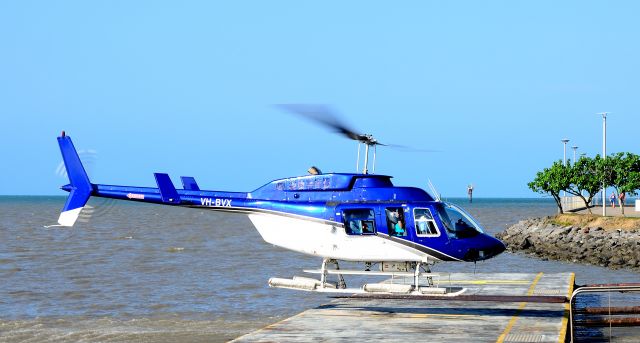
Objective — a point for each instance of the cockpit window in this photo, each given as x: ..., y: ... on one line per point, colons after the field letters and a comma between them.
x: 359, y: 221
x: 425, y: 225
x: 458, y: 223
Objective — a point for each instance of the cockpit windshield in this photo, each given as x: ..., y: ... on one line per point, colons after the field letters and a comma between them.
x: 458, y: 223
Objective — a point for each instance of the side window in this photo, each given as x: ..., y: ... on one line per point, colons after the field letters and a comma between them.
x: 359, y: 221
x: 395, y: 221
x: 425, y: 225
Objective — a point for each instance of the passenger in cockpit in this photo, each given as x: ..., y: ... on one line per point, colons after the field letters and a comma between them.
x: 399, y: 228
x: 395, y: 222
x: 422, y: 225
x: 354, y: 227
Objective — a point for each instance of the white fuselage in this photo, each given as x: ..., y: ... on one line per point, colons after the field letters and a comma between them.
x: 329, y: 239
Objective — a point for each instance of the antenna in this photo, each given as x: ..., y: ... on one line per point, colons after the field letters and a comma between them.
x: 434, y: 192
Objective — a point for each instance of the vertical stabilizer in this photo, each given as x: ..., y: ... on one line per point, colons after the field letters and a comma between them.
x: 189, y: 183
x: 80, y: 187
x: 167, y: 189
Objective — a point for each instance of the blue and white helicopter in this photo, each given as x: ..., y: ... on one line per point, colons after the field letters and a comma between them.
x: 355, y: 217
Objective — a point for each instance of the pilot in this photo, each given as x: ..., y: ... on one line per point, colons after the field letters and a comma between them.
x: 461, y: 225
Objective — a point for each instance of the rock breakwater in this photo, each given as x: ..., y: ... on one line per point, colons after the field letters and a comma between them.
x: 556, y: 238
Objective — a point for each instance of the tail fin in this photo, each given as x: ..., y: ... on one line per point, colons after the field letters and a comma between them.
x: 80, y: 187
x: 189, y: 183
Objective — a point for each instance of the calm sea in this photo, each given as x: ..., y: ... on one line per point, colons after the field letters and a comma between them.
x: 138, y: 272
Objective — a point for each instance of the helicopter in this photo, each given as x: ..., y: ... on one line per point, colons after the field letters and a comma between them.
x: 357, y: 217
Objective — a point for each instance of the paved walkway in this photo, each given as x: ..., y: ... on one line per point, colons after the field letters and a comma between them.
x: 450, y: 320
x: 629, y: 211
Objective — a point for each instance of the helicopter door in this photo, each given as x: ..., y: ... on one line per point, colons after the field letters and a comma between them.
x: 396, y: 221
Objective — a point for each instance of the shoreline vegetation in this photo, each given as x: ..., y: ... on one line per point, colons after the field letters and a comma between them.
x: 612, y: 242
x: 586, y: 177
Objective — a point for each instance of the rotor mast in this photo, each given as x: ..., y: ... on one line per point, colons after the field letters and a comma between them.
x: 366, y: 159
x: 368, y: 141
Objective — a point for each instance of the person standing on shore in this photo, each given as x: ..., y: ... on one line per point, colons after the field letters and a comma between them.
x: 612, y: 199
x: 470, y: 192
x: 622, y: 197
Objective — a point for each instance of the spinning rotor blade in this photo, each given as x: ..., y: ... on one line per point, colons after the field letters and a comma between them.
x: 325, y: 116
x: 408, y: 148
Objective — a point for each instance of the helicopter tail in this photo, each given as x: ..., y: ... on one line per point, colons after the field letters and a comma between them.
x: 79, y: 188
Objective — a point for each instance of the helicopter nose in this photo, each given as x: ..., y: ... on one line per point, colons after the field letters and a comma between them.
x: 498, y: 247
x: 486, y: 248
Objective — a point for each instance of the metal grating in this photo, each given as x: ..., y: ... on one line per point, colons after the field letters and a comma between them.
x: 547, y: 292
x: 523, y: 337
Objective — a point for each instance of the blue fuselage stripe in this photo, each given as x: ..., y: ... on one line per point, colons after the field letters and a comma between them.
x: 327, y: 211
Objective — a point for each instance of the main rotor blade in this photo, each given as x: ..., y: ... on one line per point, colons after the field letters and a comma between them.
x: 324, y: 115
x: 328, y: 117
x: 408, y: 148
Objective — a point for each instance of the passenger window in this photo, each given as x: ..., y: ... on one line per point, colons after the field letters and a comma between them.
x: 395, y: 221
x: 359, y: 222
x: 425, y: 225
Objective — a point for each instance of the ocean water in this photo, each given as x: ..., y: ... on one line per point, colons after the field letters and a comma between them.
x: 139, y: 272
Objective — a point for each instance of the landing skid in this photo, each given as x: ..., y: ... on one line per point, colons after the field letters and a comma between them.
x: 422, y: 282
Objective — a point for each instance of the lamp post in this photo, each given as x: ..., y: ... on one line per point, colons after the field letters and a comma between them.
x: 564, y: 158
x: 575, y: 148
x: 604, y: 156
x: 564, y: 162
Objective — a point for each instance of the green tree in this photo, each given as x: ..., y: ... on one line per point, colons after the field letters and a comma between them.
x: 622, y: 172
x: 583, y: 178
x: 552, y: 181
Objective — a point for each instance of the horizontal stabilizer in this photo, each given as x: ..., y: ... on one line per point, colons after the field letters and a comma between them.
x: 167, y: 189
x: 189, y: 183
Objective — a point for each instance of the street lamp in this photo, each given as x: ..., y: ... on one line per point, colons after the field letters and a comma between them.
x: 575, y: 148
x: 564, y: 158
x: 564, y: 162
x: 604, y: 156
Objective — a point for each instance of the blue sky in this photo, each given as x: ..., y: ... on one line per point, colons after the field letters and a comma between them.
x: 188, y: 88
